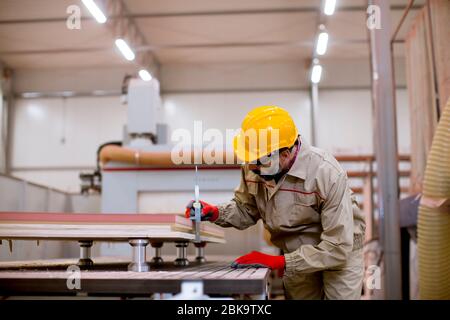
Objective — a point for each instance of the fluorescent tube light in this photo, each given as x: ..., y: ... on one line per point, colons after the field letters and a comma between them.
x: 145, y: 75
x: 316, y: 73
x: 330, y: 5
x: 125, y: 49
x: 95, y: 11
x: 322, y: 43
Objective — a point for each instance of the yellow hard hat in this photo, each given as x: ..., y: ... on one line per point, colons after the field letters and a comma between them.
x: 264, y: 130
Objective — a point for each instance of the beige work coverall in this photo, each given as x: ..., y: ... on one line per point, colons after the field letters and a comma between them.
x: 313, y: 217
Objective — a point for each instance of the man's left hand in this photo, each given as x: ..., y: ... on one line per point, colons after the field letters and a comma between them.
x: 259, y: 259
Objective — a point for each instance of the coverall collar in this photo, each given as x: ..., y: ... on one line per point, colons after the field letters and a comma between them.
x: 300, y: 166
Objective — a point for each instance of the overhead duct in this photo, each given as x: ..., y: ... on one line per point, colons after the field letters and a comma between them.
x: 434, y: 217
x: 161, y: 158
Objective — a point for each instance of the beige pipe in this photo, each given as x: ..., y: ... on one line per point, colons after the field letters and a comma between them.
x: 163, y: 159
x: 434, y: 217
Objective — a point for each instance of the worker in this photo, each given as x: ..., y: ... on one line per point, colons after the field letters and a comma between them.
x: 306, y: 205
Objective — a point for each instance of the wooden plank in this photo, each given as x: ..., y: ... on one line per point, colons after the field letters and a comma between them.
x: 176, y: 222
x: 93, y: 218
x: 97, y: 235
x: 112, y: 227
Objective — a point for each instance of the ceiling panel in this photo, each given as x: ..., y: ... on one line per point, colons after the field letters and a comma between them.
x: 349, y: 50
x: 347, y: 25
x: 172, y: 36
x: 235, y: 29
x: 248, y: 54
x: 36, y: 9
x: 52, y: 35
x: 351, y: 25
x: 78, y: 59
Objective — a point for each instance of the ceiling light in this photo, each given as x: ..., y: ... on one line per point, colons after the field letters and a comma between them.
x: 30, y: 95
x: 322, y: 43
x: 67, y: 93
x: 145, y: 75
x: 95, y: 10
x: 125, y: 49
x: 316, y: 73
x: 330, y: 5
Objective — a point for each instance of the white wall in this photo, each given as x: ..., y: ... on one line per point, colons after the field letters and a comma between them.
x: 64, y: 132
x: 54, y: 139
x: 344, y: 124
x: 227, y: 110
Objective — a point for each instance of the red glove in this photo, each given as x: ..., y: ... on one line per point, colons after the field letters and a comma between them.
x: 258, y: 259
x: 208, y: 211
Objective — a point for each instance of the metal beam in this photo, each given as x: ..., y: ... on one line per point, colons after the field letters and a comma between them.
x: 117, y: 93
x: 314, y: 99
x: 7, y: 123
x: 385, y: 136
x: 66, y: 94
x: 291, y: 10
x: 433, y: 61
x: 202, y: 13
x: 124, y: 26
x: 57, y: 51
x: 154, y: 48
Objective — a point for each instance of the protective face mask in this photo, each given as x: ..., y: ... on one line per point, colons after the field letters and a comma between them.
x: 274, y: 171
x: 271, y: 172
x: 269, y: 177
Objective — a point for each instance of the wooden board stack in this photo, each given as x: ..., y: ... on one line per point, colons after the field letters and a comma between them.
x: 102, y: 227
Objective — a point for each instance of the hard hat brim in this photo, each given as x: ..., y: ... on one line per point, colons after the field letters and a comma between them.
x: 240, y: 150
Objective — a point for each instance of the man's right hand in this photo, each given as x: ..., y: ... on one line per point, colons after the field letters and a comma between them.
x: 208, y: 211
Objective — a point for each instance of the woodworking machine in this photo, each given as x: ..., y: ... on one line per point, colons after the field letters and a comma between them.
x: 140, y: 205
x: 139, y: 188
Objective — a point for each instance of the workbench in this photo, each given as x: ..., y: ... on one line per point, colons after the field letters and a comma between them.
x: 138, y: 230
x: 119, y: 277
x: 217, y: 278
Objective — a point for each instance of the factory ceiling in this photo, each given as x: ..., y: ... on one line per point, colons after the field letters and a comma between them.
x: 33, y: 34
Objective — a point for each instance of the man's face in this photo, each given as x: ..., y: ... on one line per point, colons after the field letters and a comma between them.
x: 272, y: 164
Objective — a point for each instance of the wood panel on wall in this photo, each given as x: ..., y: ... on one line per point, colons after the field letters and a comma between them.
x: 427, y: 70
x: 440, y: 25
